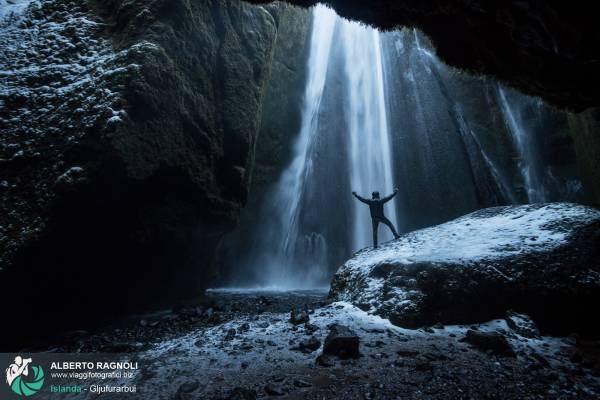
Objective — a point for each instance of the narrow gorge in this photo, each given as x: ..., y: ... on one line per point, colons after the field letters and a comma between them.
x: 177, y: 180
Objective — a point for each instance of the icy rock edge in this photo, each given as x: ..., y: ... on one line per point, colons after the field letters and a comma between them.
x: 539, y: 259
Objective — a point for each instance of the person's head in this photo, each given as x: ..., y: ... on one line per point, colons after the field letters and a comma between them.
x: 375, y: 195
x: 18, y: 360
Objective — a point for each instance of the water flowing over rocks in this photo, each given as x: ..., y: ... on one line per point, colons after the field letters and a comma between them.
x: 539, y: 259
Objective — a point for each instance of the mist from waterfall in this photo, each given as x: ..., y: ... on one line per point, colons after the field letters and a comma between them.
x: 379, y: 111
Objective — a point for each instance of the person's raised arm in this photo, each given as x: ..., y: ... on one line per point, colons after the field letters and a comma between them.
x: 360, y: 198
x: 388, y: 198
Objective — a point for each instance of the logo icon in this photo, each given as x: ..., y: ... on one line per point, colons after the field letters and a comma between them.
x: 23, y: 377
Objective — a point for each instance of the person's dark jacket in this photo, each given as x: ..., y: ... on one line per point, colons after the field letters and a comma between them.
x: 376, y: 205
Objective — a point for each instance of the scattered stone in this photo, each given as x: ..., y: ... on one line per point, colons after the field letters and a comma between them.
x: 341, y: 342
x: 230, y: 334
x: 273, y: 389
x: 424, y: 366
x: 299, y: 317
x: 301, y: 383
x: 310, y: 328
x: 244, y: 365
x: 435, y: 357
x: 246, y: 346
x: 239, y: 393
x: 407, y: 353
x: 490, y: 341
x: 245, y: 327
x: 188, y: 387
x: 307, y: 346
x: 521, y: 324
x: 325, y: 361
x: 439, y: 325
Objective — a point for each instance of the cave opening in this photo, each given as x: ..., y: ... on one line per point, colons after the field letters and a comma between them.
x: 379, y: 110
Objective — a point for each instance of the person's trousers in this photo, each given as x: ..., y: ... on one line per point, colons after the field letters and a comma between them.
x: 385, y: 221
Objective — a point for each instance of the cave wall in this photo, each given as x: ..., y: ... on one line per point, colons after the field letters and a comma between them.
x: 547, y: 49
x: 280, y: 125
x: 123, y: 171
x: 584, y: 129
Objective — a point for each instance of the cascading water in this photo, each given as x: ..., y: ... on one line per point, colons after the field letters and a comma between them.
x: 283, y: 256
x: 370, y: 158
x: 293, y: 250
x: 528, y: 165
x: 379, y: 110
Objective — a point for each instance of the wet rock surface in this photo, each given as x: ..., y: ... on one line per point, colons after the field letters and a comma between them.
x: 394, y: 362
x: 492, y: 342
x: 521, y: 324
x: 128, y: 132
x: 547, y: 49
x: 541, y: 260
x: 341, y: 342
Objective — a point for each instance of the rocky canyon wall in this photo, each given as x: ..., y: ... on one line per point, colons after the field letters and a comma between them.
x: 128, y: 137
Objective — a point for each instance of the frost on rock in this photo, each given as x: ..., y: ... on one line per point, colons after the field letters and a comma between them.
x: 60, y: 83
x: 478, y: 266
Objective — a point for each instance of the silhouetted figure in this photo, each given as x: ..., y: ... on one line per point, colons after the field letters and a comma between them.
x: 377, y: 216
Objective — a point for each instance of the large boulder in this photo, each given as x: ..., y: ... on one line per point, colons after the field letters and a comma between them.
x: 539, y: 259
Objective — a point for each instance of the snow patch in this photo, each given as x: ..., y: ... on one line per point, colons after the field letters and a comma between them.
x: 513, y: 230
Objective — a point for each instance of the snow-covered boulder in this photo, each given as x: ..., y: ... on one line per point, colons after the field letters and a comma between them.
x: 540, y: 259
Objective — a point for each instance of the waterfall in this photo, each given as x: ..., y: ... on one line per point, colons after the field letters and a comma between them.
x: 528, y: 166
x: 370, y: 150
x: 380, y: 110
x: 295, y: 241
x: 283, y: 256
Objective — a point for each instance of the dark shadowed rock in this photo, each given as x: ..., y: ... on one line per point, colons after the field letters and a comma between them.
x: 188, y: 387
x: 301, y: 383
x: 341, y: 342
x: 493, y: 342
x: 230, y: 334
x: 274, y: 389
x: 324, y: 360
x: 138, y: 144
x: 299, y: 317
x: 541, y: 259
x: 308, y: 345
x: 242, y: 394
x: 521, y: 324
x: 541, y: 48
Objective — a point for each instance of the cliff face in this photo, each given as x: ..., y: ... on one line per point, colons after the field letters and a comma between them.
x: 547, y: 49
x: 128, y: 137
x: 280, y: 124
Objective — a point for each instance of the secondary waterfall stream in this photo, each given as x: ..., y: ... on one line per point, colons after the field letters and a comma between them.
x: 379, y: 110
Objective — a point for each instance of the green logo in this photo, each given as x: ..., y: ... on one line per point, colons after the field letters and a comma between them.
x: 24, y: 378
